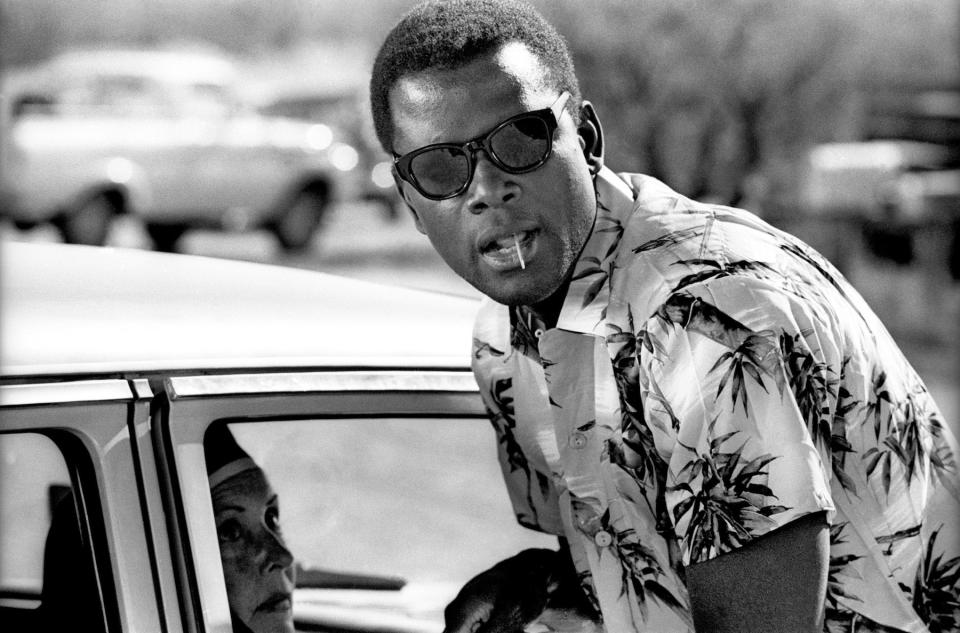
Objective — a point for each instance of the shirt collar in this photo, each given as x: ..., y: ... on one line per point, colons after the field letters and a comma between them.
x: 585, y: 306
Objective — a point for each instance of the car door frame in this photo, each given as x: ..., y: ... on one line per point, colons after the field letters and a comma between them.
x: 99, y: 425
x: 190, y: 404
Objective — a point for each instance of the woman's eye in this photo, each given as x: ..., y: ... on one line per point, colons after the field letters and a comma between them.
x: 229, y: 531
x: 273, y: 519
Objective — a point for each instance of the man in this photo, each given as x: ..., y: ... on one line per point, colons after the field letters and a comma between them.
x: 711, y: 420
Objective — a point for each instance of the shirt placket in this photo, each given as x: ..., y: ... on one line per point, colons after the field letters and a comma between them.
x: 585, y: 405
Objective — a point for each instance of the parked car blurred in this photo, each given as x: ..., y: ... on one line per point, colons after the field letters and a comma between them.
x: 349, y: 112
x: 889, y: 191
x: 898, y: 187
x: 355, y: 398
x: 162, y: 135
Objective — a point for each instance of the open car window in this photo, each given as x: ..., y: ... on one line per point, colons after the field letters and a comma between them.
x: 386, y: 517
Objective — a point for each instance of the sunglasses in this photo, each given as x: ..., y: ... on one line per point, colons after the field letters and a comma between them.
x: 520, y: 144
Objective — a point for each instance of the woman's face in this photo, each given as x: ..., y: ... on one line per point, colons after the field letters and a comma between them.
x: 257, y: 565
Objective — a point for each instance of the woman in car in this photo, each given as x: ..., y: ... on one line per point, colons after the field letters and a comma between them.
x: 258, y: 568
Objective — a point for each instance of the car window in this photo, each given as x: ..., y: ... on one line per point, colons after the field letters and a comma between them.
x: 206, y: 99
x: 47, y: 577
x: 114, y: 95
x: 386, y: 517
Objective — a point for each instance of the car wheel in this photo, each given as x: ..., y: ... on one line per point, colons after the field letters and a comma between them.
x: 165, y: 236
x: 297, y: 224
x: 25, y: 225
x: 89, y: 222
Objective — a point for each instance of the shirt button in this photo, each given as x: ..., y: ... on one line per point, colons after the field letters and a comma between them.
x: 578, y: 440
x: 602, y: 538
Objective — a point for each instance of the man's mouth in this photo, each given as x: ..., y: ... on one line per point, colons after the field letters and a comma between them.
x: 511, y: 251
x: 277, y: 602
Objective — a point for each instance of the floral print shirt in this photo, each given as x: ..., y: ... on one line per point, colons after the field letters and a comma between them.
x: 710, y: 379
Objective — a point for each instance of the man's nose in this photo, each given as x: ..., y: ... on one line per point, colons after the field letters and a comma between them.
x: 491, y: 186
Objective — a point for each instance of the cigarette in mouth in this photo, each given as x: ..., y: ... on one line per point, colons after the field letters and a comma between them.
x: 516, y: 244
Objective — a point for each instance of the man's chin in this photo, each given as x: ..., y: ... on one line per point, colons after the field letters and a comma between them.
x: 518, y: 292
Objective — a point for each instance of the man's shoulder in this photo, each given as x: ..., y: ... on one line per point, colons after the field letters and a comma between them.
x: 644, y: 186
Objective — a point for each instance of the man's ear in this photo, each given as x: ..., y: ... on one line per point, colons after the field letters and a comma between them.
x: 402, y: 190
x: 591, y: 137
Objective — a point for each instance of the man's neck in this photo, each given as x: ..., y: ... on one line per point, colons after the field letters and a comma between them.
x: 548, y: 310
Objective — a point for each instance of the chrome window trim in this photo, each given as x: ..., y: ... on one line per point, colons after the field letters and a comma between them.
x: 332, y: 381
x: 47, y: 393
x: 162, y: 366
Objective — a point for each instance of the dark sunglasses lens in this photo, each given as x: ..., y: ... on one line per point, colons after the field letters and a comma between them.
x: 440, y: 171
x: 523, y: 143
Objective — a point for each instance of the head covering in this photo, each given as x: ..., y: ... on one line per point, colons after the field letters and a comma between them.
x: 225, y: 458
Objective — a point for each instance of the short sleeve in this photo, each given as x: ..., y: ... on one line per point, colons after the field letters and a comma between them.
x: 743, y: 456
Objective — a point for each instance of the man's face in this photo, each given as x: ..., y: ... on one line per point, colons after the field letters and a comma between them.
x: 548, y: 212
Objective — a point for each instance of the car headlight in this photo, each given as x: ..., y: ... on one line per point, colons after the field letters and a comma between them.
x: 343, y: 156
x: 319, y: 137
x: 119, y: 170
x: 382, y: 174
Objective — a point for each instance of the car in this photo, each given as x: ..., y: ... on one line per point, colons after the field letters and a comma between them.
x: 347, y: 110
x: 166, y: 136
x: 356, y: 398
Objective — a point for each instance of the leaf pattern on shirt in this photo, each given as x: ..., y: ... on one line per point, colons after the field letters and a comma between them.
x: 504, y: 423
x: 817, y: 262
x: 586, y: 583
x: 727, y: 499
x: 522, y: 337
x: 812, y: 385
x: 592, y: 267
x: 934, y: 594
x: 839, y: 567
x: 670, y: 239
x: 640, y: 569
x: 606, y: 223
x: 646, y: 464
x: 751, y: 358
x: 749, y: 353
x: 914, y: 436
x: 693, y: 314
x: 936, y: 590
x: 713, y: 269
x: 839, y: 442
x: 482, y: 348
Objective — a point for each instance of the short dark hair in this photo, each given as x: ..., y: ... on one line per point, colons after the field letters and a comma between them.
x: 448, y: 34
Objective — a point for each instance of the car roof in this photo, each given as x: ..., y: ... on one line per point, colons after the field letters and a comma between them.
x: 168, y: 66
x: 72, y: 310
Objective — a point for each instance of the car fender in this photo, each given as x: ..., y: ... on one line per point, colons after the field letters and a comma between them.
x: 47, y: 180
x: 116, y: 176
x: 130, y: 180
x: 307, y: 181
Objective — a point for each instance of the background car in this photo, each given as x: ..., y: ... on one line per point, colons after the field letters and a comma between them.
x: 356, y: 398
x: 163, y: 135
x: 347, y: 109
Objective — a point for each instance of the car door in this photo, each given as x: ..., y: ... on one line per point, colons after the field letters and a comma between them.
x: 82, y: 538
x: 388, y: 484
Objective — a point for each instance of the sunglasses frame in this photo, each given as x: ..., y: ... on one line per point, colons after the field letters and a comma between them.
x: 550, y: 116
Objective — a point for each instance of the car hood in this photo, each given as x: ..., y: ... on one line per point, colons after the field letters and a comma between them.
x: 70, y: 310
